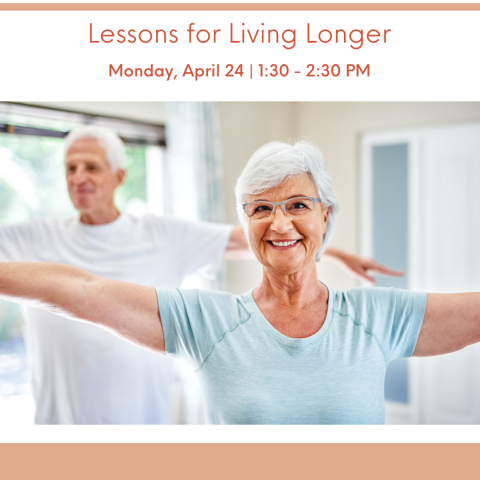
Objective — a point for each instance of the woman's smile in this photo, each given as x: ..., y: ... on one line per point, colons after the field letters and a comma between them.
x: 284, y: 244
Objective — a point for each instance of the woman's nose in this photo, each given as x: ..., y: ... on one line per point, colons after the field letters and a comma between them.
x: 281, y: 223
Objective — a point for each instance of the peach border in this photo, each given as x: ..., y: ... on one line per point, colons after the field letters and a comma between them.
x: 299, y: 7
x: 239, y: 461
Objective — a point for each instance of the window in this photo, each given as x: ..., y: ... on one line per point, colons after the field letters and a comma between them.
x: 32, y: 185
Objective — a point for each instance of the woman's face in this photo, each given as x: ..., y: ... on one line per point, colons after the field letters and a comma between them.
x: 304, y: 233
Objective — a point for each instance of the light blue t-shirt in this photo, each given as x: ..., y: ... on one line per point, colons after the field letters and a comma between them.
x: 250, y: 373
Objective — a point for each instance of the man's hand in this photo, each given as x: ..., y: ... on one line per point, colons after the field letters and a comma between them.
x: 359, y: 267
x: 237, y: 247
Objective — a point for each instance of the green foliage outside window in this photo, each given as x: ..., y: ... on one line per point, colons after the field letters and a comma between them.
x: 133, y: 191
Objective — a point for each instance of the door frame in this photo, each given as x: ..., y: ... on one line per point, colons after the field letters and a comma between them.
x: 396, y: 412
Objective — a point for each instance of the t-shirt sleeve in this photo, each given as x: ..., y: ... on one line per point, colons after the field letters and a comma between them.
x: 194, y: 321
x: 393, y: 316
x: 199, y: 246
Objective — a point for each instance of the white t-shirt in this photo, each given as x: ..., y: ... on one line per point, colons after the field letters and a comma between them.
x: 83, y: 374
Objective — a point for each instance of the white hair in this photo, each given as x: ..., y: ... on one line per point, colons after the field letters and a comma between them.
x: 277, y: 161
x: 108, y: 140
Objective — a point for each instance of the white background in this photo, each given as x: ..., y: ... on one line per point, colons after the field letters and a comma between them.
x: 428, y: 56
x: 242, y: 434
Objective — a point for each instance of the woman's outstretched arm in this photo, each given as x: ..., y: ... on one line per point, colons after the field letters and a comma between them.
x: 451, y: 322
x: 127, y: 309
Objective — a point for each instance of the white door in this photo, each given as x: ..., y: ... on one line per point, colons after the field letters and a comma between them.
x: 443, y: 194
x: 445, y: 246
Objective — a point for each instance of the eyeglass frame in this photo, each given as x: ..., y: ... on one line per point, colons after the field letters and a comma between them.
x: 274, y: 204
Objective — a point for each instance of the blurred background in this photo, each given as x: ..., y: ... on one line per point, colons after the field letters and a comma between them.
x: 406, y: 175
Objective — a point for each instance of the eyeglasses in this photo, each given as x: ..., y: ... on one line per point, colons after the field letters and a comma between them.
x: 295, y: 207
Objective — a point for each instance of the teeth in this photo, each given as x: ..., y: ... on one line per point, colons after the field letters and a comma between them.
x: 284, y: 244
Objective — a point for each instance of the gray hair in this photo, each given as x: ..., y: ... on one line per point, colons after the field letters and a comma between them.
x: 108, y: 140
x: 277, y: 161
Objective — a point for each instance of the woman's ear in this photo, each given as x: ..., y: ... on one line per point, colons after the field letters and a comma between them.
x: 325, y: 213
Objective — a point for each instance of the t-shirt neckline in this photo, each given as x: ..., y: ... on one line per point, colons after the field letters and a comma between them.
x: 103, y: 229
x: 280, y: 337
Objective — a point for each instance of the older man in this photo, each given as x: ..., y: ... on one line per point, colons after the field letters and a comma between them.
x: 82, y: 374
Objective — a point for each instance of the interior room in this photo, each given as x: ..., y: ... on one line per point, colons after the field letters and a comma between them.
x: 401, y: 171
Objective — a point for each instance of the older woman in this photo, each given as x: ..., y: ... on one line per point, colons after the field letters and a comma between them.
x: 293, y: 350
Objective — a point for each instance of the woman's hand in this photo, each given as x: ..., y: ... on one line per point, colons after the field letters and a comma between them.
x: 359, y: 267
x: 129, y: 310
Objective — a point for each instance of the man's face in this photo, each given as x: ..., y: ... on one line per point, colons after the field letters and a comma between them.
x: 90, y: 179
